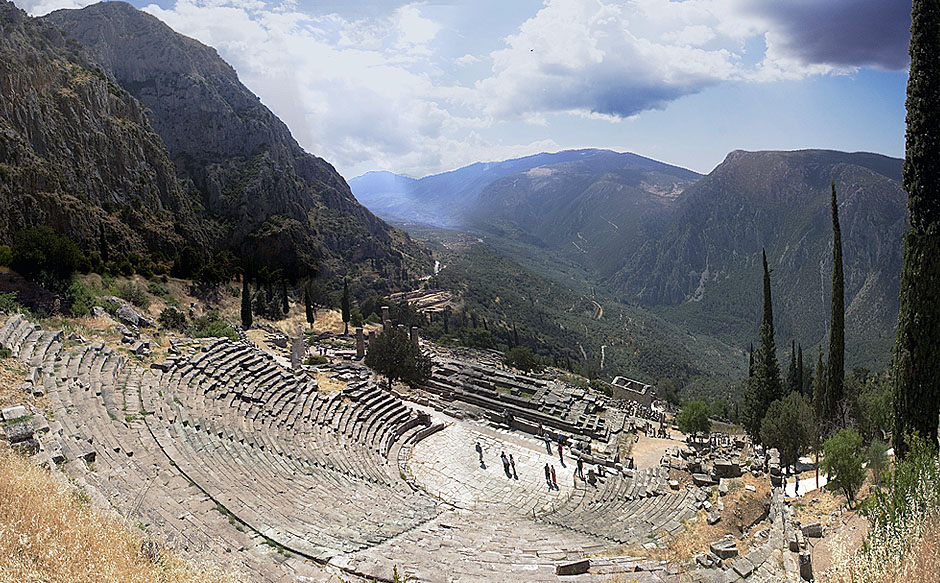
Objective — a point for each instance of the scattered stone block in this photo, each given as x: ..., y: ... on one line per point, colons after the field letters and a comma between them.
x: 674, y: 484
x: 17, y: 432
x: 723, y: 488
x: 813, y: 530
x: 750, y: 488
x: 806, y: 566
x: 702, y: 480
x: 724, y: 548
x: 743, y: 567
x: 713, y: 518
x: 14, y: 412
x: 573, y: 567
x: 40, y: 424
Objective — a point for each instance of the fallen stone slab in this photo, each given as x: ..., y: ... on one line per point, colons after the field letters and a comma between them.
x: 713, y: 518
x: 14, y: 412
x: 573, y: 567
x: 743, y: 567
x: 703, y: 480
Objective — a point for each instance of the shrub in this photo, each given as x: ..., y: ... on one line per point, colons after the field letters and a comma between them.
x: 6, y: 255
x: 9, y: 305
x: 877, y: 459
x: 82, y: 298
x: 211, y: 326
x: 844, y: 461
x: 172, y: 319
x: 134, y: 293
x: 315, y: 359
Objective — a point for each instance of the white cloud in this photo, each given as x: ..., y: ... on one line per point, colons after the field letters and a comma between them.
x: 43, y: 7
x: 378, y: 91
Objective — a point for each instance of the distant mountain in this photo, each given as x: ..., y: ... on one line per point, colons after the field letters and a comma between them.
x: 77, y: 151
x: 452, y: 199
x: 705, y: 269
x: 259, y: 193
x: 689, y: 246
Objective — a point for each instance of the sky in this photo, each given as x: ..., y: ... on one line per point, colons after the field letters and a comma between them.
x: 419, y: 88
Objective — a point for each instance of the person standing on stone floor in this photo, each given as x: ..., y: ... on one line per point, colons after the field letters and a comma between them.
x: 548, y: 443
x: 580, y: 468
x: 561, y: 455
x: 503, y: 457
x: 554, y: 479
x: 512, y: 464
x: 479, y: 449
x: 548, y: 477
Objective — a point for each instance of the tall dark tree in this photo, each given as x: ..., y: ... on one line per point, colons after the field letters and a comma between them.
x: 835, y: 364
x: 916, y: 360
x: 799, y: 370
x: 791, y: 383
x: 344, y: 306
x: 764, y: 386
x: 246, y: 303
x: 308, y: 306
x: 394, y: 355
x: 750, y: 360
x: 285, y: 306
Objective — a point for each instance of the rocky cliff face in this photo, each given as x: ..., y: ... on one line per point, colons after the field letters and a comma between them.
x: 262, y: 194
x: 77, y: 151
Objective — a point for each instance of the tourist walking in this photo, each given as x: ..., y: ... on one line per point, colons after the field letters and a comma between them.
x: 512, y: 464
x: 561, y: 456
x: 548, y: 443
x: 479, y: 449
x: 580, y: 468
x: 548, y: 477
x: 554, y: 480
x: 503, y: 457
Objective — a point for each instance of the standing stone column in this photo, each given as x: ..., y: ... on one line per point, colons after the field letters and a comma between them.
x: 371, y: 337
x: 298, y: 350
x: 386, y: 321
x: 414, y: 335
x: 360, y: 344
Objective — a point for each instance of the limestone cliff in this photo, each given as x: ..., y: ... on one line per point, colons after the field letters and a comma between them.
x: 77, y: 151
x: 263, y: 195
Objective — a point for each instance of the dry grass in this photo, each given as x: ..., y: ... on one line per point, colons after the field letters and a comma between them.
x: 741, y: 509
x: 49, y: 534
x: 912, y: 561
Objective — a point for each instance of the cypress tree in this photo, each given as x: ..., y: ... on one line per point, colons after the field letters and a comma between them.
x: 285, y: 307
x: 819, y: 388
x: 799, y: 370
x: 308, y: 306
x: 246, y: 303
x: 750, y: 361
x: 791, y: 378
x: 916, y: 360
x: 764, y: 386
x: 835, y: 365
x: 345, y: 306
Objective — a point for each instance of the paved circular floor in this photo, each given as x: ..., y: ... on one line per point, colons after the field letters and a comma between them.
x: 448, y: 466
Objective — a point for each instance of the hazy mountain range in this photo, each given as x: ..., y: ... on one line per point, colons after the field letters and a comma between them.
x: 685, y: 244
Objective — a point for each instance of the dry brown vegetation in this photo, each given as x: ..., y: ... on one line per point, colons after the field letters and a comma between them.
x: 742, y: 508
x: 49, y: 533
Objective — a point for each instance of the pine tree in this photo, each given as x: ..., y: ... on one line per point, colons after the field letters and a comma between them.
x: 917, y: 362
x: 835, y: 364
x: 246, y: 303
x: 764, y: 387
x: 345, y: 306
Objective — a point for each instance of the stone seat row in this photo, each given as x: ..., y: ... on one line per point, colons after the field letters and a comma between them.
x: 611, y: 509
x: 92, y: 393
